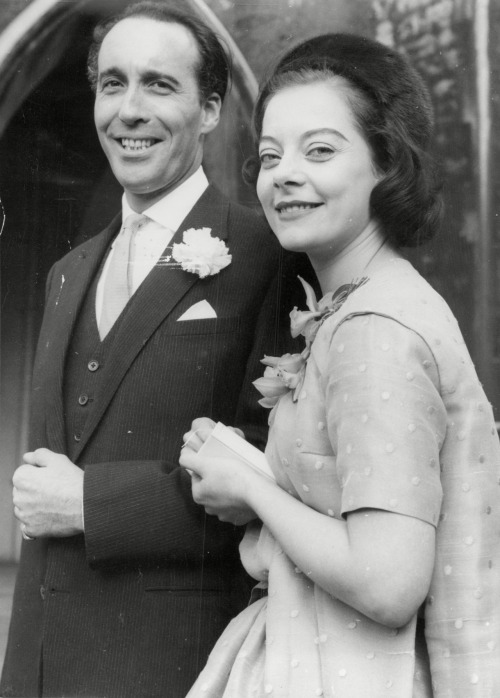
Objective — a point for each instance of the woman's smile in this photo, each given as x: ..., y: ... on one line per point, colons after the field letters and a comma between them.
x: 288, y: 210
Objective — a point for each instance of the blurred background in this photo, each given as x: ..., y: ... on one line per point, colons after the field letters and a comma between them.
x: 56, y: 189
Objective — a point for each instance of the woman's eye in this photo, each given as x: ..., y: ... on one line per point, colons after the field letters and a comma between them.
x: 321, y: 152
x: 268, y: 159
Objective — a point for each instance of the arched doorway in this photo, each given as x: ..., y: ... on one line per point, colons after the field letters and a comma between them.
x: 56, y: 188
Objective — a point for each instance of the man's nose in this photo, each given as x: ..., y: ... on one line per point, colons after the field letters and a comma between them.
x: 132, y: 107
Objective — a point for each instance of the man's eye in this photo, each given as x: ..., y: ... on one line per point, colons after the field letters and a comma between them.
x: 110, y: 84
x: 161, y: 86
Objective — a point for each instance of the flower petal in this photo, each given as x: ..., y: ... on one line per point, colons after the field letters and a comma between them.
x: 200, y: 253
x: 311, y: 301
x: 299, y: 320
x: 291, y: 363
x: 271, y: 372
x: 270, y: 387
x: 268, y: 402
x: 287, y: 362
x: 270, y: 360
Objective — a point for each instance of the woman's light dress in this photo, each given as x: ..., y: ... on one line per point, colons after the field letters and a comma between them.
x: 391, y: 416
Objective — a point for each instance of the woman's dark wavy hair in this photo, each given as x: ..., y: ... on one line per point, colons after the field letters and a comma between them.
x: 213, y: 71
x: 394, y: 113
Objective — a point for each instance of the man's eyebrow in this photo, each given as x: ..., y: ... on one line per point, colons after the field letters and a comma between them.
x: 145, y: 77
x: 116, y: 72
x: 157, y: 75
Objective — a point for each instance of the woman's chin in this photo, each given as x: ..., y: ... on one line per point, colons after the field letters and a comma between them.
x: 290, y: 243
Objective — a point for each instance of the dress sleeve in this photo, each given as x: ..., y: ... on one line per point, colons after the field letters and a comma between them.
x: 386, y: 418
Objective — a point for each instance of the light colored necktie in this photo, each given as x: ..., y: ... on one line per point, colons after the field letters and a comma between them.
x: 118, y: 282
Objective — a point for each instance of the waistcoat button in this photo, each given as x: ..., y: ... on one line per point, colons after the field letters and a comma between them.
x: 93, y: 365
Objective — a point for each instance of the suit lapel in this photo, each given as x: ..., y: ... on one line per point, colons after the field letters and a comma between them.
x: 159, y: 294
x: 70, y: 290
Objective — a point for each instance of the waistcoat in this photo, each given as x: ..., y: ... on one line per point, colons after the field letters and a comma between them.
x: 85, y: 362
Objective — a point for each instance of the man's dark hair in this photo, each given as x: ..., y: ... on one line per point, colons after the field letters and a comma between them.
x: 393, y: 111
x: 213, y: 71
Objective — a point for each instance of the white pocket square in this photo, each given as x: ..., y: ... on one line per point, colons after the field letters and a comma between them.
x: 198, y: 311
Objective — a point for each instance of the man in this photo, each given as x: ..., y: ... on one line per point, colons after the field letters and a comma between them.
x: 124, y: 585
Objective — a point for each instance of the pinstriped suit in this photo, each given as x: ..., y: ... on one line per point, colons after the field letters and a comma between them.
x: 133, y: 608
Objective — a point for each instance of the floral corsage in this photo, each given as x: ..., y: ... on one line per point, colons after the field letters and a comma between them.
x: 287, y: 372
x: 200, y: 253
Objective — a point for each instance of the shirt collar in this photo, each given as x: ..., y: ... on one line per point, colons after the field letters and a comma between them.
x: 174, y: 207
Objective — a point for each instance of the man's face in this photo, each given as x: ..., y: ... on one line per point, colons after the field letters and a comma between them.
x: 149, y: 114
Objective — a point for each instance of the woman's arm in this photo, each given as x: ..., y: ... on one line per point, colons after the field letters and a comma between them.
x: 378, y: 562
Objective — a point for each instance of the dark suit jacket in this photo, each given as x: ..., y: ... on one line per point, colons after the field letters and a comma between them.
x: 133, y: 607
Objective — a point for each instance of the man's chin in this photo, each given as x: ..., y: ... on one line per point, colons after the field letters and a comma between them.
x: 140, y: 198
x: 136, y: 182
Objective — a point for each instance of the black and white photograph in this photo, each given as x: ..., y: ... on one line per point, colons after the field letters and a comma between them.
x: 250, y: 348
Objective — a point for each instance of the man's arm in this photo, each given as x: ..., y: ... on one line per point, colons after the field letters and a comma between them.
x: 49, y: 494
x: 159, y: 522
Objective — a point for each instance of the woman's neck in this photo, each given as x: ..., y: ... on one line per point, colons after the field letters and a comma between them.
x: 368, y: 251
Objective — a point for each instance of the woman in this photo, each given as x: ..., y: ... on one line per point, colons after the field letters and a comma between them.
x: 379, y: 548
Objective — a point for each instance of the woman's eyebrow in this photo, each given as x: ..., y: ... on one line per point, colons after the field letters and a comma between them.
x: 309, y: 134
x: 327, y: 131
x: 268, y: 139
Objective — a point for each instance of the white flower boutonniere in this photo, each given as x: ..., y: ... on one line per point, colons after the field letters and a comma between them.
x: 200, y: 253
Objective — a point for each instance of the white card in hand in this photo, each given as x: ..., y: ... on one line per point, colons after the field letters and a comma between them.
x: 225, y: 443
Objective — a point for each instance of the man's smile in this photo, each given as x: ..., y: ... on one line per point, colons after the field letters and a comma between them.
x: 136, y: 144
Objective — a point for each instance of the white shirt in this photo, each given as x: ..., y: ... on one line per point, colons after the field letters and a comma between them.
x: 151, y: 240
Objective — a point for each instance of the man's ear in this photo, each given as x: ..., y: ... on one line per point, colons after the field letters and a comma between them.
x: 211, y: 112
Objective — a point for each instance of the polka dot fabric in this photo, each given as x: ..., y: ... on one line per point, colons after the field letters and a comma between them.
x: 392, y: 416
x: 386, y: 420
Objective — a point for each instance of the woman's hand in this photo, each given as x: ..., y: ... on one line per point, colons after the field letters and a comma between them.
x: 201, y: 429
x: 221, y: 485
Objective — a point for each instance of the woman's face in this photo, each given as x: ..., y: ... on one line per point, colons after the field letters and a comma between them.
x: 316, y: 173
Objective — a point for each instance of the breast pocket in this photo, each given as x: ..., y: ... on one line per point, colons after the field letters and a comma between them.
x: 219, y: 325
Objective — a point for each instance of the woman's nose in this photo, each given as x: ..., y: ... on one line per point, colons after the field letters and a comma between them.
x: 288, y: 172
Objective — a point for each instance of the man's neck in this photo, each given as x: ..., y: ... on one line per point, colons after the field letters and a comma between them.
x: 171, y: 209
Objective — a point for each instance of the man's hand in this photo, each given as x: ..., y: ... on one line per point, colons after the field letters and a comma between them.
x: 48, y: 495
